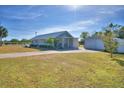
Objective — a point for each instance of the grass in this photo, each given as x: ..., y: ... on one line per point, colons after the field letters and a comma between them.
x: 15, y: 48
x: 81, y: 46
x: 63, y: 70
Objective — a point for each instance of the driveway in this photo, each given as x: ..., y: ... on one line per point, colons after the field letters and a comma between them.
x: 14, y: 55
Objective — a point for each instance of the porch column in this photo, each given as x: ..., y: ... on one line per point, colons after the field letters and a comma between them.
x: 68, y: 42
x: 53, y: 43
x: 63, y: 42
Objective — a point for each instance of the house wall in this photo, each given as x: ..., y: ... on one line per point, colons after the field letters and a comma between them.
x: 75, y: 43
x: 71, y: 43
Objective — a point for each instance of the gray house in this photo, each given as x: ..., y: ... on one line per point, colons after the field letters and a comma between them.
x: 64, y: 40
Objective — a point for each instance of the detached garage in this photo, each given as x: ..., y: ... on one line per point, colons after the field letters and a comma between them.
x: 94, y: 43
x: 120, y: 48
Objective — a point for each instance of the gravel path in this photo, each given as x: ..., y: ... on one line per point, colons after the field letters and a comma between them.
x: 13, y: 55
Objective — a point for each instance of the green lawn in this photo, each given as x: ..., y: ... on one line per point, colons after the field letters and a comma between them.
x: 63, y: 70
x: 15, y: 48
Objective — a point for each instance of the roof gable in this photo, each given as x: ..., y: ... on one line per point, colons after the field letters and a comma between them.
x: 54, y: 35
x: 65, y: 34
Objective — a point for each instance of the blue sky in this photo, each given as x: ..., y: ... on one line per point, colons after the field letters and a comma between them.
x: 24, y: 21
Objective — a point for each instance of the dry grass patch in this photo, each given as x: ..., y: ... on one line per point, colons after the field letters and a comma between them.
x: 62, y: 70
x: 15, y: 48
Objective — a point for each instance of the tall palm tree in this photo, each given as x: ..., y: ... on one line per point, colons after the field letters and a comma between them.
x: 3, y: 33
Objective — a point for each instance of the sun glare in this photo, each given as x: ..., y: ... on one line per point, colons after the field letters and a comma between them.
x: 74, y: 7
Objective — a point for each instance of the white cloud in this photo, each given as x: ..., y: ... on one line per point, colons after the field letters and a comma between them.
x: 24, y: 16
x: 76, y: 26
x: 106, y: 12
x: 110, y: 10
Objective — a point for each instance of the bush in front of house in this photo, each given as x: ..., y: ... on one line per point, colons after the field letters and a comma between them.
x: 42, y: 46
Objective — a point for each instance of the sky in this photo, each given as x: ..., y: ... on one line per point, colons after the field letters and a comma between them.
x: 24, y: 21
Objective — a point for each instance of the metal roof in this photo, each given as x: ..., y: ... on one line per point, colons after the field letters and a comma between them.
x: 51, y: 35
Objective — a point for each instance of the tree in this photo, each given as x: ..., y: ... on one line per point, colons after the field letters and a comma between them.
x: 98, y: 34
x: 25, y: 41
x: 110, y: 43
x: 14, y: 41
x: 53, y: 42
x: 3, y: 33
x: 83, y: 36
x: 5, y: 41
x: 50, y: 41
x: 116, y: 30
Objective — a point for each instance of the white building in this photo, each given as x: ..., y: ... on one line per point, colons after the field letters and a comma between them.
x: 94, y: 44
x: 120, y: 48
x: 98, y: 44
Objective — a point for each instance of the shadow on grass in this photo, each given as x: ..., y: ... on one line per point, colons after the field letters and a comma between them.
x: 119, y: 61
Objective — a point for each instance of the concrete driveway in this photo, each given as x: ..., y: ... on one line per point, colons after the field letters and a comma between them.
x: 14, y: 55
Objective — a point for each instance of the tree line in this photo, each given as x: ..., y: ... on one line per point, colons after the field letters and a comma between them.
x: 108, y: 35
x: 16, y: 41
x: 4, y: 33
x: 117, y: 31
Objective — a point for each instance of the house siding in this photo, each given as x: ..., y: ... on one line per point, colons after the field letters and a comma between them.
x: 75, y: 43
